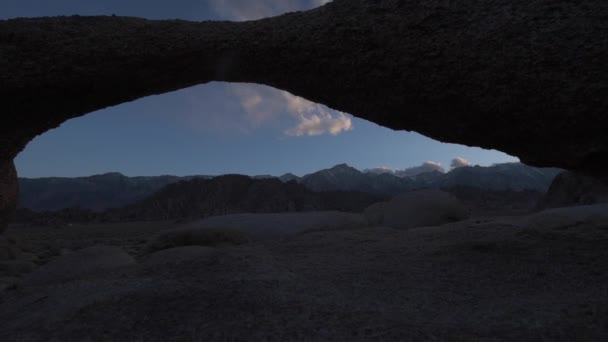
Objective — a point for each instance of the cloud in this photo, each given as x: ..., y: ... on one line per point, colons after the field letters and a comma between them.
x: 264, y: 104
x: 321, y: 123
x: 241, y: 10
x: 459, y: 162
x: 314, y: 119
x: 261, y: 104
x: 380, y: 170
x: 427, y: 166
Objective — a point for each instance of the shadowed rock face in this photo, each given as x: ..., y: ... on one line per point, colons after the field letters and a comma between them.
x: 9, y: 189
x: 524, y: 77
x: 572, y: 189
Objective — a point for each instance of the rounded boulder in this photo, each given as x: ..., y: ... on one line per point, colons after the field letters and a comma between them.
x: 417, y: 209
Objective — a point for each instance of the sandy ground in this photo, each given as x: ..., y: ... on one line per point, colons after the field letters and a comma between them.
x: 542, y: 277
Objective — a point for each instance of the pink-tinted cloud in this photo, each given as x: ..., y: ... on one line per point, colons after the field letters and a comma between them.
x: 264, y: 104
x: 459, y: 162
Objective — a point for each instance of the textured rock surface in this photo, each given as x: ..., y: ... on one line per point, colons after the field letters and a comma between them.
x: 417, y: 209
x: 230, y: 194
x: 524, y: 77
x: 9, y: 189
x: 79, y: 264
x: 573, y: 188
x: 238, y: 228
x: 537, y: 278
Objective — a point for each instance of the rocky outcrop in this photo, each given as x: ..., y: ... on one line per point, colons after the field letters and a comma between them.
x: 573, y: 188
x: 417, y: 209
x: 501, y: 279
x: 482, y: 73
x: 523, y: 77
x: 9, y: 189
x: 230, y: 194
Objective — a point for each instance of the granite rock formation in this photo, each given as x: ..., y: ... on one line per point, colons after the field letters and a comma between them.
x: 9, y: 189
x: 572, y: 188
x: 417, y: 209
x: 232, y: 194
x: 524, y: 77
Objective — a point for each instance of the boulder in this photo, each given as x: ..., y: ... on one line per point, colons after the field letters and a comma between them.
x: 238, y: 228
x: 569, y: 217
x: 573, y: 189
x: 80, y: 264
x: 417, y: 209
x: 207, y: 236
x: 268, y: 226
x: 9, y: 189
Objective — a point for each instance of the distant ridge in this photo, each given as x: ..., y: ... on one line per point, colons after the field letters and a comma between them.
x: 114, y: 190
x: 97, y: 192
x: 230, y: 194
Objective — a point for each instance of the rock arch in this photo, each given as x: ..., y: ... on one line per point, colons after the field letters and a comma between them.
x: 524, y: 77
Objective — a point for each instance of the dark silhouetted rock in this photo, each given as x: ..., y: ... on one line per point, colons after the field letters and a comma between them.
x: 573, y: 188
x: 232, y: 194
x: 500, y: 177
x: 482, y: 202
x: 480, y: 73
x: 466, y: 74
x: 417, y: 209
x: 215, y: 236
x: 238, y: 228
x: 8, y: 193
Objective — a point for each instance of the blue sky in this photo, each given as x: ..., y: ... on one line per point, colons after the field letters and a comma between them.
x: 218, y: 127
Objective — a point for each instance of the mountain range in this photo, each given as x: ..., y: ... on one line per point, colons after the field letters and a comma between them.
x: 498, y: 177
x: 114, y: 190
x: 231, y: 194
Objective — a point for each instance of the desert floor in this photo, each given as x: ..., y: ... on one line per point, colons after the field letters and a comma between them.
x: 540, y: 277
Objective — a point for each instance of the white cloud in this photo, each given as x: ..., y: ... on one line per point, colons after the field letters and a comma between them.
x: 321, y: 123
x: 256, y: 9
x: 380, y: 170
x: 427, y: 166
x: 261, y: 104
x: 314, y: 119
x: 264, y: 104
x: 459, y: 162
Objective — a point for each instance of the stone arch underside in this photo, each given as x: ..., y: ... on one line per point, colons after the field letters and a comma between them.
x: 524, y: 77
